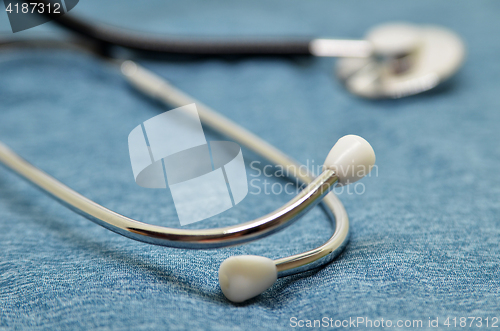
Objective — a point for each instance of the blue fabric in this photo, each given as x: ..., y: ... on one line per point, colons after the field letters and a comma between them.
x: 425, y: 233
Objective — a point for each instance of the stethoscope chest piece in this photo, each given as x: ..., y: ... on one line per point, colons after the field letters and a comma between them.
x: 405, y: 59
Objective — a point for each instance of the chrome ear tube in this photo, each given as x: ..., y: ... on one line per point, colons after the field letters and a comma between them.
x: 240, y: 277
x: 245, y: 276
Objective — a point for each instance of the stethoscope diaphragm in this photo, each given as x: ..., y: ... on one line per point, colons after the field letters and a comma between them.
x: 405, y: 60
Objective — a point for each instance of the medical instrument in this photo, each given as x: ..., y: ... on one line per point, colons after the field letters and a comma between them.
x: 240, y: 277
x: 393, y: 61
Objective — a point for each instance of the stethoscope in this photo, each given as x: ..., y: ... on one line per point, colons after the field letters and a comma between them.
x: 394, y: 61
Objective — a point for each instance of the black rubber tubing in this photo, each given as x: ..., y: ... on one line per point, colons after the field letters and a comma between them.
x: 107, y: 35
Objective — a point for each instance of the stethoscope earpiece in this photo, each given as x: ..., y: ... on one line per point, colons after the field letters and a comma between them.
x: 352, y: 158
x: 243, y: 277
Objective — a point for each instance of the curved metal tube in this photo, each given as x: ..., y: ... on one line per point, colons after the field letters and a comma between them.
x: 173, y: 237
x: 159, y: 89
x: 317, y: 189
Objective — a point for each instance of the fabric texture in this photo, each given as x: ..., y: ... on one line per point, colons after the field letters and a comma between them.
x: 425, y: 228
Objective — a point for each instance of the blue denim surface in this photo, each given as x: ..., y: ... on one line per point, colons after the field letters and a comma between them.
x: 425, y: 234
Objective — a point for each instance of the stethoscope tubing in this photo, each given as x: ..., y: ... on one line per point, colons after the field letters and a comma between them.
x: 107, y: 36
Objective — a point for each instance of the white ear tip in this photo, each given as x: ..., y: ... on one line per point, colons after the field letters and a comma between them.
x: 245, y: 276
x: 351, y: 158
